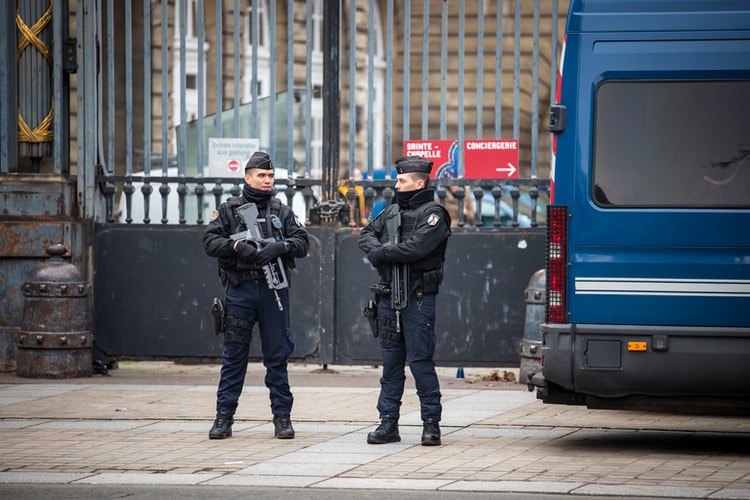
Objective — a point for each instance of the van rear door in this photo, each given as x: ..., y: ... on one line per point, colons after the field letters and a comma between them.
x: 660, y: 207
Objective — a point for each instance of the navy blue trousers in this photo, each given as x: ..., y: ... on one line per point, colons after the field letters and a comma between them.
x: 252, y: 301
x: 417, y: 347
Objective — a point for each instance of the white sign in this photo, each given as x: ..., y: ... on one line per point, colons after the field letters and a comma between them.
x: 227, y: 157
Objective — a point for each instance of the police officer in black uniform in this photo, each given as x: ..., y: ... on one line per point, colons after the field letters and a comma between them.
x: 250, y: 300
x: 408, y: 335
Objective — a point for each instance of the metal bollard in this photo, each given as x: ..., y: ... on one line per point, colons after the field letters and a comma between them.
x: 54, y: 340
x: 535, y: 297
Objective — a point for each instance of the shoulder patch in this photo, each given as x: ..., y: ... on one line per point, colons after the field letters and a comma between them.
x: 433, y: 219
x: 214, y: 216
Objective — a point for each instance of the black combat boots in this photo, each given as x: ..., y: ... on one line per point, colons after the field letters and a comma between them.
x: 387, y: 432
x: 222, y: 427
x: 282, y: 427
x: 430, y: 434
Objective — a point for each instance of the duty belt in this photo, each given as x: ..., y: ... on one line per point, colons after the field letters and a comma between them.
x: 252, y: 274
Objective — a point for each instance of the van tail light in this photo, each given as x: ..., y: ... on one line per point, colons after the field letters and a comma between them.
x: 556, y: 266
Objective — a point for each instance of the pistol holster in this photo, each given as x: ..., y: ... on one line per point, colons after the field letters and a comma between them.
x: 371, y: 313
x: 217, y: 313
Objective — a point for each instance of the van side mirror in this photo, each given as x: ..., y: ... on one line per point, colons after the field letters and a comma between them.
x: 557, y: 118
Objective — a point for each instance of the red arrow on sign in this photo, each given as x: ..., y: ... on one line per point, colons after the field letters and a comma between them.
x: 491, y: 159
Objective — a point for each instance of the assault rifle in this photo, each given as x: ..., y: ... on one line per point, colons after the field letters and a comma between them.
x: 400, y: 273
x: 274, y: 270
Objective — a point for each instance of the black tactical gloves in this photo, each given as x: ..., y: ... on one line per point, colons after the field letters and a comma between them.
x: 245, y: 252
x: 269, y: 252
x: 376, y: 256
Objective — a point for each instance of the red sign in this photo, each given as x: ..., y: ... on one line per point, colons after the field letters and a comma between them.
x: 491, y: 159
x: 442, y: 153
x: 233, y: 165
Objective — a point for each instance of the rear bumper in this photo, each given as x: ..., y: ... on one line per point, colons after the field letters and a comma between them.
x: 595, y: 360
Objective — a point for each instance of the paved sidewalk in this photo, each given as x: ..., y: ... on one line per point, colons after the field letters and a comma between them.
x: 147, y: 424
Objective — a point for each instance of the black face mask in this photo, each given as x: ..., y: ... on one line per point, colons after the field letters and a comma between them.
x: 257, y: 196
x: 404, y: 197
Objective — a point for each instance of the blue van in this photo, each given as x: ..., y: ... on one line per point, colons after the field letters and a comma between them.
x: 648, y: 249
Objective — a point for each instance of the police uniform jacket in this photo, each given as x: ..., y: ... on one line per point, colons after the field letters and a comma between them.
x: 425, y: 229
x: 224, y: 222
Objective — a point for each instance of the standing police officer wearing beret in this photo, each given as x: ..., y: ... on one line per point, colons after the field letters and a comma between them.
x: 409, y: 335
x: 249, y: 299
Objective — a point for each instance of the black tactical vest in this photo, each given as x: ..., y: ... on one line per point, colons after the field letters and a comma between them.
x: 235, y: 226
x: 410, y: 219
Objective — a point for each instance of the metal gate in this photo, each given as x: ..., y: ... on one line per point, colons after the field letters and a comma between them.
x: 325, y: 88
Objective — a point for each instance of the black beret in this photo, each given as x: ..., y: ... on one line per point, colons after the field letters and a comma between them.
x: 259, y: 160
x: 408, y: 164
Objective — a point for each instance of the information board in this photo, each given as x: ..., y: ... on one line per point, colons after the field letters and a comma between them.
x: 227, y: 157
x: 442, y: 153
x: 491, y: 159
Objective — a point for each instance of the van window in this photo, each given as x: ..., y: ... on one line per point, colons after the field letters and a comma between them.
x: 678, y: 144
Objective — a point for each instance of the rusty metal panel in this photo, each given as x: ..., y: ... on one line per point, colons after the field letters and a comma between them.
x: 29, y: 239
x: 8, y: 349
x: 40, y: 195
x: 12, y: 274
x: 22, y: 249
